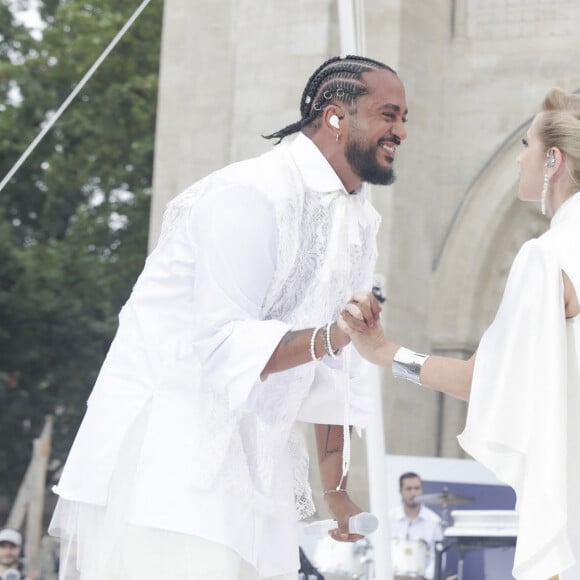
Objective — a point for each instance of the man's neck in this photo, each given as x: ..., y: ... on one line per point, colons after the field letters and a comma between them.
x: 412, y: 511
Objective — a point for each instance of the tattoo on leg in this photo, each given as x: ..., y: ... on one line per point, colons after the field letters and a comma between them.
x: 328, y: 450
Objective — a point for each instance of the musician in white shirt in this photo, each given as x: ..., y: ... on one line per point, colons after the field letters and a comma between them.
x: 414, y: 521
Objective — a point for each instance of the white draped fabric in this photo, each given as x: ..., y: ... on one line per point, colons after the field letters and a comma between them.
x: 246, y: 254
x: 524, y: 411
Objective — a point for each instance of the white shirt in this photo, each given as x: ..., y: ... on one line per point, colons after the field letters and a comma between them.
x: 246, y: 254
x: 426, y: 526
x: 524, y: 407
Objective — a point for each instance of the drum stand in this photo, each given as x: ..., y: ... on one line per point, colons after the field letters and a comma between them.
x: 445, y: 499
x: 364, y: 550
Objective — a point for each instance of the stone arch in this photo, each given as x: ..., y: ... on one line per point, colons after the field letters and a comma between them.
x: 482, y: 239
x: 471, y: 267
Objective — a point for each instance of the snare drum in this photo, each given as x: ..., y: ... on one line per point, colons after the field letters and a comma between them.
x: 409, y: 558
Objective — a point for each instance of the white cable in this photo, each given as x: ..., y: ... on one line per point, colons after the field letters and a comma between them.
x: 346, y: 415
x: 54, y: 118
x: 361, y: 28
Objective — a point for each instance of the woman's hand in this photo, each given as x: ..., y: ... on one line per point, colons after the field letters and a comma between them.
x: 360, y: 320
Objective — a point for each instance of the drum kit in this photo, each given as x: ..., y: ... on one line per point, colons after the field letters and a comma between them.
x: 445, y: 500
x: 340, y: 560
x: 410, y: 556
x: 337, y: 560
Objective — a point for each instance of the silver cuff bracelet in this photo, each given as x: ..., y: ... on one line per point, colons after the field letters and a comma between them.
x: 407, y: 365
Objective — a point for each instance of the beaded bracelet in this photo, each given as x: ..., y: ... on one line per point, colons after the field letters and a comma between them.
x: 313, y: 343
x: 327, y: 344
x: 327, y: 491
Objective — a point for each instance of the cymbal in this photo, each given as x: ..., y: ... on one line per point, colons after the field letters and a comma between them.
x: 443, y: 498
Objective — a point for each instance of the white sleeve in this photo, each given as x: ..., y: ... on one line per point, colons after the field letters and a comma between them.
x: 236, y: 239
x: 326, y: 399
x: 516, y: 423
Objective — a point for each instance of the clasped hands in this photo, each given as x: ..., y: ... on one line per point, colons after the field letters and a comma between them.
x: 360, y: 319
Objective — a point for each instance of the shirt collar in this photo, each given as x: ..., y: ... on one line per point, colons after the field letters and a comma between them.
x: 566, y: 209
x: 402, y: 516
x: 316, y: 171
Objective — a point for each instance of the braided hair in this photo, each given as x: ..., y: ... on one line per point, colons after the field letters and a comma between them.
x: 337, y: 79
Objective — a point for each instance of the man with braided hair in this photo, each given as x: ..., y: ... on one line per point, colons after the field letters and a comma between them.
x: 188, y: 464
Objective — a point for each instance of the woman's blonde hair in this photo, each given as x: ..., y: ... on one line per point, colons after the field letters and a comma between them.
x: 560, y: 127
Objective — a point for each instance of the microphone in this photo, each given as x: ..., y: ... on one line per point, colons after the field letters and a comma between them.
x: 11, y: 575
x: 363, y: 524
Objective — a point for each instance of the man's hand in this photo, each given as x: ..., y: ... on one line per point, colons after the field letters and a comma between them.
x: 342, y: 508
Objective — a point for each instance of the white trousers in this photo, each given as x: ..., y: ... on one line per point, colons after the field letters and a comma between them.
x: 98, y: 543
x: 207, y: 561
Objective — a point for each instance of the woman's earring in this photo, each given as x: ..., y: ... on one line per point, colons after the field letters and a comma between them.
x: 550, y: 162
x: 338, y: 137
x: 544, y: 194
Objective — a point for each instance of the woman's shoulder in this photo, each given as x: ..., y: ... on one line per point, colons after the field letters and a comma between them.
x: 555, y: 238
x: 555, y: 251
x: 562, y: 240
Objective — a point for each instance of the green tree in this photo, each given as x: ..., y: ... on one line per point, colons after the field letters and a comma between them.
x: 74, y: 219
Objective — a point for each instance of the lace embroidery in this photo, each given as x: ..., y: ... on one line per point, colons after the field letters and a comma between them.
x: 303, y: 501
x: 326, y: 253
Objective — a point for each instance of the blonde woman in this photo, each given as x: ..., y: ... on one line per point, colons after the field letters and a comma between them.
x: 523, y: 383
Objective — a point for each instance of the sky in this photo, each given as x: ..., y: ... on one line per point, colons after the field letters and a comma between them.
x: 30, y: 16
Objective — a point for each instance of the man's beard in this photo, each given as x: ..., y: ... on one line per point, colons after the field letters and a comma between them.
x: 363, y: 162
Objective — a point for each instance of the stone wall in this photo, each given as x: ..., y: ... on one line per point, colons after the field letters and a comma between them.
x: 475, y: 72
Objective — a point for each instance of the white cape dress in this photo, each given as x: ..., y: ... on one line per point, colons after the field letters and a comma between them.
x: 524, y: 411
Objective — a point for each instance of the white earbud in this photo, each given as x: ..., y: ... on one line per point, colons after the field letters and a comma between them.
x: 334, y: 121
